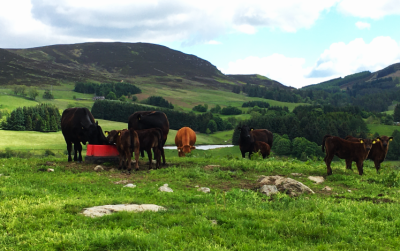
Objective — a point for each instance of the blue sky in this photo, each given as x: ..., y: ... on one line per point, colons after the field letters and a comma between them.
x: 296, y: 42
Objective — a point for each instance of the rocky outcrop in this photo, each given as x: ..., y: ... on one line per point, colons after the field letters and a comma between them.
x: 286, y: 185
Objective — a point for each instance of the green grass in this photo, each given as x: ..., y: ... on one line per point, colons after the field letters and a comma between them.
x: 383, y: 130
x: 41, y: 210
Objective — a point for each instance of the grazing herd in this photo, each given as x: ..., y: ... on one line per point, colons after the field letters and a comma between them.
x: 148, y: 131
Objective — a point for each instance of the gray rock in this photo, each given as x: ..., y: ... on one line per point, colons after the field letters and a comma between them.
x: 327, y: 188
x: 204, y: 189
x: 50, y: 170
x: 214, y: 222
x: 296, y: 174
x: 165, y: 188
x: 288, y: 185
x: 130, y: 185
x: 316, y: 179
x: 269, y: 190
x: 99, y: 168
x: 109, y: 209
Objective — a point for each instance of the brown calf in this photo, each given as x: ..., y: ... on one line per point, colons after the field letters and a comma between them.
x: 184, y: 141
x: 263, y: 148
x: 378, y: 150
x: 151, y: 139
x: 347, y: 150
x: 127, y: 142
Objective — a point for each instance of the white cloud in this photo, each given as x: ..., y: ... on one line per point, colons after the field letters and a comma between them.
x: 343, y: 59
x: 370, y: 8
x: 339, y: 60
x: 213, y: 42
x: 363, y: 25
x: 155, y: 21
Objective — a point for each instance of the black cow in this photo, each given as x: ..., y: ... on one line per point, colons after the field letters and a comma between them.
x: 147, y: 120
x: 78, y: 125
x: 248, y: 137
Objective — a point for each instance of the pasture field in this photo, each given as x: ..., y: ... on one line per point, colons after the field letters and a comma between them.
x: 383, y: 130
x: 42, y: 210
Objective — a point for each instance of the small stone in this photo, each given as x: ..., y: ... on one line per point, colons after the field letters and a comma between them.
x: 99, y: 168
x: 269, y: 190
x: 214, y: 222
x: 196, y: 186
x: 204, y: 189
x: 349, y: 191
x: 50, y: 170
x: 130, y: 185
x: 316, y: 179
x: 99, y: 211
x: 165, y: 188
x: 296, y: 174
x: 327, y: 188
x: 121, y: 182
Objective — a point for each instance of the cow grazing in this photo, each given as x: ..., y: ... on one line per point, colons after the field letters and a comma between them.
x: 263, y: 148
x: 184, y: 141
x: 146, y: 120
x: 151, y: 139
x: 126, y: 141
x: 78, y: 125
x: 248, y: 137
x: 378, y: 150
x: 344, y: 149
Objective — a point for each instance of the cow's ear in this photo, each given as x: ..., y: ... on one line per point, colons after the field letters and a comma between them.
x: 179, y: 150
x: 97, y: 123
x: 192, y: 147
x: 119, y: 133
x: 251, y: 129
x: 378, y: 139
x: 373, y: 142
x: 361, y: 141
x: 239, y: 128
x: 139, y: 116
x: 391, y: 139
x: 106, y: 132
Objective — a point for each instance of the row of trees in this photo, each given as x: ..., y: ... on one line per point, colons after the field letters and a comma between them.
x: 42, y: 118
x: 24, y: 91
x: 120, y: 111
x: 119, y: 89
x: 158, y: 101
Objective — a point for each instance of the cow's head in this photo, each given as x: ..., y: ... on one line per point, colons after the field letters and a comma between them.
x: 384, y: 141
x: 245, y: 132
x: 112, y: 136
x: 185, y: 149
x: 94, y: 134
x: 367, y: 143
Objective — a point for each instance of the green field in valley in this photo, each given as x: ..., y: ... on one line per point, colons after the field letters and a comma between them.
x: 382, y: 130
x: 43, y: 210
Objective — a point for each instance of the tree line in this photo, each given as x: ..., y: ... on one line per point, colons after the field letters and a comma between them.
x: 120, y: 111
x: 119, y: 89
x: 41, y: 118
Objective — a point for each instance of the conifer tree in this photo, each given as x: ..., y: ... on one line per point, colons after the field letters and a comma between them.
x: 396, y: 114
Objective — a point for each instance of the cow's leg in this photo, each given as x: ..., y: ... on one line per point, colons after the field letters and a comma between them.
x: 69, y: 149
x: 360, y: 167
x: 377, y: 165
x: 328, y: 160
x: 163, y: 155
x: 128, y: 160
x: 150, y: 157
x: 243, y: 154
x: 142, y: 152
x: 157, y: 156
x: 348, y: 164
x: 79, y: 146
x: 120, y: 166
x: 137, y: 155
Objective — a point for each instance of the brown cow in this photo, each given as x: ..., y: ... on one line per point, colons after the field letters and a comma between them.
x: 248, y: 136
x: 127, y: 141
x: 344, y: 149
x: 146, y: 120
x: 151, y: 139
x: 263, y: 148
x: 378, y: 151
x: 184, y: 141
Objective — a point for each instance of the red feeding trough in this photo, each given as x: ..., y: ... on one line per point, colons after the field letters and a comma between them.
x: 101, y: 153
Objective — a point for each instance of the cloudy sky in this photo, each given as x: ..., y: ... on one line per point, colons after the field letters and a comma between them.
x: 296, y: 42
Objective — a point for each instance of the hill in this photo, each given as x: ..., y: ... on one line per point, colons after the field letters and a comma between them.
x: 259, y: 80
x: 113, y: 62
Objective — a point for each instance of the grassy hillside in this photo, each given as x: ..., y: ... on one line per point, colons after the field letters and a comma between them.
x: 42, y: 210
x: 386, y: 130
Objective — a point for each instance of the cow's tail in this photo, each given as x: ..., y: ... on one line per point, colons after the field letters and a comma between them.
x: 132, y: 134
x: 323, y: 142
